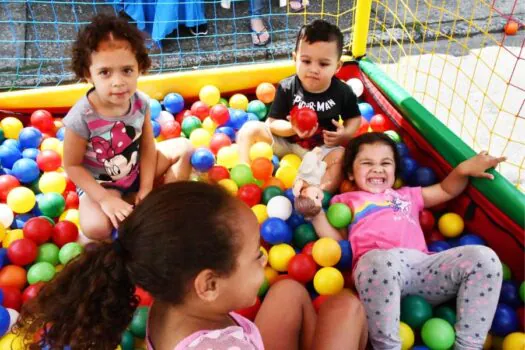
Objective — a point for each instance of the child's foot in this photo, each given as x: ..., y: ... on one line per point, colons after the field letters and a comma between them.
x: 296, y: 5
x: 260, y: 35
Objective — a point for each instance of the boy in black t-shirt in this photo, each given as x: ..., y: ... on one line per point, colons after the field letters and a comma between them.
x: 317, y: 59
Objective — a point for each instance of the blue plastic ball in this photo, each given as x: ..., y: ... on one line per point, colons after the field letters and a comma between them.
x: 275, y: 162
x: 20, y: 220
x: 424, y: 176
x: 252, y: 116
x: 174, y: 103
x: 509, y: 294
x: 420, y: 347
x: 276, y: 231
x: 237, y: 118
x: 228, y: 131
x: 30, y: 137
x: 26, y: 170
x: 12, y: 143
x: 4, y: 320
x: 4, y: 260
x: 9, y: 156
x: 453, y: 242
x: 367, y: 111
x: 295, y: 220
x: 438, y: 246
x: 202, y: 159
x: 156, y: 128
x: 408, y: 167
x: 155, y: 108
x: 471, y: 239
x: 505, y: 321
x: 345, y: 263
x: 402, y: 149
x: 60, y: 133
x: 289, y: 194
x: 30, y: 153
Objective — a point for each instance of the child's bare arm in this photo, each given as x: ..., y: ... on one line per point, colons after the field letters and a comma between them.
x: 280, y: 127
x: 324, y: 229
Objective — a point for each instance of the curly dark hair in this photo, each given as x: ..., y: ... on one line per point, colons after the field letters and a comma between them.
x: 178, y: 230
x: 320, y: 30
x: 105, y: 28
x: 368, y: 138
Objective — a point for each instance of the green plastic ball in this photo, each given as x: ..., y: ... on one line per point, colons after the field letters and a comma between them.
x: 303, y: 234
x: 40, y: 272
x: 507, y: 274
x: 270, y: 192
x: 139, y: 321
x: 326, y: 199
x: 51, y: 204
x: 264, y: 288
x: 69, y: 251
x: 415, y: 311
x: 258, y: 108
x: 438, y: 334
x: 446, y: 313
x: 48, y: 219
x: 339, y: 215
x: 189, y: 124
x: 393, y: 135
x: 241, y: 174
x: 224, y: 102
x: 522, y: 291
x: 128, y: 341
x: 48, y: 252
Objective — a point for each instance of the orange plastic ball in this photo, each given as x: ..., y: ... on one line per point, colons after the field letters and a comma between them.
x: 265, y: 92
x: 272, y: 181
x: 13, y: 276
x: 511, y: 28
x: 262, y: 168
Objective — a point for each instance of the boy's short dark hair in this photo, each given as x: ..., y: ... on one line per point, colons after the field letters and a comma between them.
x: 320, y: 30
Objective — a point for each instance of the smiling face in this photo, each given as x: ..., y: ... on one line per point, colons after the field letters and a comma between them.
x: 374, y: 168
x: 316, y: 64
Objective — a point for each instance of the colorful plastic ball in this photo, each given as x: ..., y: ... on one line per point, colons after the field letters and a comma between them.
x: 210, y: 95
x: 29, y: 138
x: 4, y: 320
x: 30, y: 153
x: 200, y: 110
x: 11, y: 127
x: 408, y: 168
x: 367, y: 111
x: 424, y: 176
x: 406, y: 335
x: 52, y: 182
x: 72, y: 200
x: 237, y: 118
x: 200, y: 138
x: 270, y: 192
x: 61, y: 133
x: 51, y: 204
x: 155, y: 108
x: 13, y: 276
x: 12, y: 341
x: 209, y: 125
x: 260, y: 212
x: 438, y: 334
x: 219, y: 141
x: 228, y: 157
x: 48, y: 252
x: 279, y: 207
x: 339, y: 215
x: 415, y: 311
x: 451, y: 225
x: 345, y: 263
x: 263, y: 289
x: 170, y: 130
x: 275, y: 231
x: 265, y: 92
x: 295, y: 220
x: 219, y: 114
x: 280, y: 255
x: 230, y: 186
x: 507, y: 273
x: 6, y: 215
x: 356, y: 85
x: 9, y: 156
x: 12, y: 236
x: 438, y: 246
x: 514, y: 341
x: 202, y: 159
x: 12, y: 143
x: 156, y: 128
x: 393, y: 135
x: 69, y: 251
x: 250, y: 194
x: 326, y: 252
x: 287, y: 175
x: 12, y: 298
x: 218, y: 173
x: 304, y: 234
x: 239, y: 101
x: 509, y: 294
x: 258, y: 108
x: 25, y: 170
x: 302, y: 268
x: 40, y: 272
x: 328, y: 281
x: 446, y: 313
x: 379, y: 123
x: 304, y: 119
x: 241, y: 174
x: 21, y: 200
x: 22, y: 252
x: 173, y: 102
x: 291, y: 160
x: 250, y: 312
x: 190, y: 124
x: 64, y: 232
x: 471, y: 239
x: 402, y: 149
x: 522, y: 291
x: 20, y: 220
x: 42, y: 120
x: 262, y: 168
x: 7, y: 183
x: 426, y: 220
x: 164, y: 118
x: 261, y: 150
x: 227, y: 130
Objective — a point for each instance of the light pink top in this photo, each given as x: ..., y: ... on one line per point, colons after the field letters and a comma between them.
x: 384, y: 220
x: 244, y: 336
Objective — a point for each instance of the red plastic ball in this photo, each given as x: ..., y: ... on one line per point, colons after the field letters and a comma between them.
x: 12, y: 298
x: 250, y: 312
x: 43, y: 121
x: 434, y: 236
x: 7, y: 183
x: 22, y: 252
x: 521, y: 318
x: 39, y: 230
x: 219, y: 114
x: 72, y: 200
x: 363, y: 128
x: 319, y: 301
x: 145, y: 298
x: 218, y: 141
x: 218, y: 173
x: 307, y: 249
x: 170, y: 130
x: 200, y: 110
x: 427, y: 220
x: 64, y: 232
x: 302, y: 268
x: 379, y: 123
x: 32, y: 291
x: 250, y: 194
x: 13, y: 276
x: 48, y: 160
x: 262, y: 168
x: 304, y: 119
x: 185, y: 113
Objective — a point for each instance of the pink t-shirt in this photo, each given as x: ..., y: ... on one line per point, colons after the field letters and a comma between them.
x: 244, y: 336
x: 384, y: 220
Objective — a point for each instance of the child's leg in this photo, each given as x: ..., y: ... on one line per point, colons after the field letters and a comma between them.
x: 173, y: 160
x: 93, y: 222
x: 249, y: 134
x: 334, y: 170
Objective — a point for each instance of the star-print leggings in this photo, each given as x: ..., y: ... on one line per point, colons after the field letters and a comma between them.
x: 473, y: 273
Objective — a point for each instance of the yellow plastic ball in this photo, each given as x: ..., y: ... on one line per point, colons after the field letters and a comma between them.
x: 239, y: 101
x: 260, y: 212
x: 287, y: 175
x: 326, y: 252
x: 71, y: 215
x: 21, y: 200
x: 210, y: 95
x: 261, y: 150
x: 209, y: 125
x: 3, y: 232
x: 11, y: 236
x: 270, y: 274
x: 12, y: 127
x: 11, y: 341
x: 328, y: 281
x: 488, y: 342
x: 514, y: 341
x: 497, y: 343
x: 228, y: 157
x: 291, y: 160
x: 200, y: 138
x: 280, y: 255
x: 229, y: 185
x: 406, y: 334
x: 398, y: 183
x: 59, y: 268
x: 52, y: 182
x: 451, y: 225
x: 53, y: 144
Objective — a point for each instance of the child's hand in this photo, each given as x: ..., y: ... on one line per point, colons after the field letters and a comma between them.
x: 337, y: 137
x: 141, y: 194
x: 116, y: 209
x: 477, y: 165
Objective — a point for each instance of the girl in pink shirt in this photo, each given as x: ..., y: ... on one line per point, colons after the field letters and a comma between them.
x: 196, y: 250
x: 390, y: 255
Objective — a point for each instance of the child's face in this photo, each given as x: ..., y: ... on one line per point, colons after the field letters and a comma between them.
x: 316, y: 64
x: 114, y: 72
x: 374, y: 168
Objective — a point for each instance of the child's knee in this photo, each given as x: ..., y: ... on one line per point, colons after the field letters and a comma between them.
x: 347, y: 304
x: 290, y: 288
x: 98, y: 230
x: 254, y: 131
x: 484, y: 258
